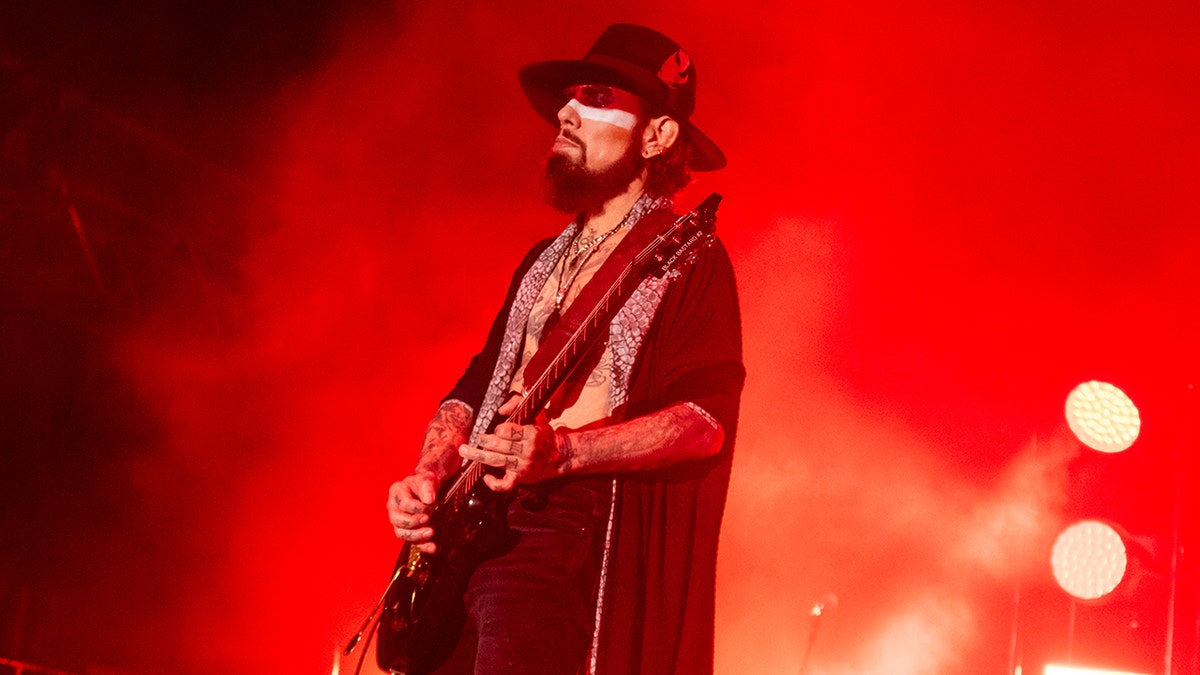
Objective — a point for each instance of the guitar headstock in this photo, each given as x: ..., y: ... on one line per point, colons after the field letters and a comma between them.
x: 679, y: 245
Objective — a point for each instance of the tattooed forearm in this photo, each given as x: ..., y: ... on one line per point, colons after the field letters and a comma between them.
x: 449, y: 428
x: 657, y: 440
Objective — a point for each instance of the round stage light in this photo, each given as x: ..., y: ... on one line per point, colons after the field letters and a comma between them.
x: 1102, y: 417
x: 1052, y: 669
x: 1089, y: 559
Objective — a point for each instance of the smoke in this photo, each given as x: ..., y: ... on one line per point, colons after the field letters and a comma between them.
x: 924, y: 636
x: 882, y: 209
x: 922, y: 548
x: 922, y: 557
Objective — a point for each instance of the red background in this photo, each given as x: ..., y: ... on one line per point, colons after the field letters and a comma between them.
x: 943, y: 216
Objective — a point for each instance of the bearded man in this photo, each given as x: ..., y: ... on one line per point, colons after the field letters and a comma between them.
x: 619, y: 487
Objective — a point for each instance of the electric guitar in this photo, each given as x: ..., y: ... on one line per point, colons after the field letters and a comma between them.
x: 422, y: 605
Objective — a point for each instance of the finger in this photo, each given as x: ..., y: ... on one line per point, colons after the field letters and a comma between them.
x: 398, y: 504
x: 416, y: 536
x: 427, y: 547
x: 482, y: 456
x: 511, y: 404
x: 512, y: 432
x: 408, y: 522
x: 407, y: 519
x: 405, y: 505
x: 500, y: 484
x: 427, y: 494
x: 412, y: 535
x: 497, y: 443
x: 500, y: 445
x: 396, y: 493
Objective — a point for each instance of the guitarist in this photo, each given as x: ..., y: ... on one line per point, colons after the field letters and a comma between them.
x: 620, y: 485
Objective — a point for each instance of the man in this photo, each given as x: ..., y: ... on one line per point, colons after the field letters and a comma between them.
x: 620, y: 485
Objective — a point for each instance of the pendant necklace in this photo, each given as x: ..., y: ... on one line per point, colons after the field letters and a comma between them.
x: 577, y: 259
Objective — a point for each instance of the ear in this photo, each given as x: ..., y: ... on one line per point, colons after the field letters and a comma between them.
x: 659, y: 135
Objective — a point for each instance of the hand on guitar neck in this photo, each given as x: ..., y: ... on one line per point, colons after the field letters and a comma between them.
x: 528, y: 453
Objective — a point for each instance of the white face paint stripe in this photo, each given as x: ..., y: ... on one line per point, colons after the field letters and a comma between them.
x: 619, y: 118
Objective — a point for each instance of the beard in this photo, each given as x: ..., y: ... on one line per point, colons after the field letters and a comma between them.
x: 572, y: 188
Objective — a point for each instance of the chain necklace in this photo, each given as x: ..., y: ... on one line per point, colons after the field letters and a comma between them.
x: 577, y: 259
x: 579, y: 247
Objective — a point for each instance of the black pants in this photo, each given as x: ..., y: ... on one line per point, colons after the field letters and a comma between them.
x: 530, y: 611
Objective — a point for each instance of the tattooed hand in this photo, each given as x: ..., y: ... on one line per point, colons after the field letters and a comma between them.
x: 411, y: 500
x: 527, y: 453
x: 409, y: 503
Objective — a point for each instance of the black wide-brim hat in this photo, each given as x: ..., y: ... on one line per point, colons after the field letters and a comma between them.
x: 639, y: 60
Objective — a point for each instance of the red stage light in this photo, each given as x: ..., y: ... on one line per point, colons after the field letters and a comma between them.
x: 1102, y: 417
x: 1089, y: 559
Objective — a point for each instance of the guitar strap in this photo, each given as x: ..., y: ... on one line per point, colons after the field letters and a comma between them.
x: 551, y: 344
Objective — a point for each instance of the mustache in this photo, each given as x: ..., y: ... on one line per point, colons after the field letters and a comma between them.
x: 570, y: 136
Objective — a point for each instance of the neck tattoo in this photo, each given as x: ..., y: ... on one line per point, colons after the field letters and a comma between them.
x: 577, y: 255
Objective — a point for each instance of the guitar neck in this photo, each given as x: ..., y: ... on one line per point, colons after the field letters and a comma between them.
x: 666, y: 253
x: 584, y: 338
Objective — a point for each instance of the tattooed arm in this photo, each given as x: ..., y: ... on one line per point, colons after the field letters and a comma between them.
x: 449, y: 428
x: 409, y: 500
x: 674, y: 434
x: 533, y: 453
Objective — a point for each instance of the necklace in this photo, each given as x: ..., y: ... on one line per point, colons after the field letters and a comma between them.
x: 577, y: 259
x: 579, y: 246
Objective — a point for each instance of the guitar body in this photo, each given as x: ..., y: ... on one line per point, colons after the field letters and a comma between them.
x: 423, y: 610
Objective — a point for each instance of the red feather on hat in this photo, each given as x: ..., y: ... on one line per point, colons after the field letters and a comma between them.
x: 674, y: 70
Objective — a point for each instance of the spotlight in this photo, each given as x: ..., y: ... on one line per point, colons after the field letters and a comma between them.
x: 1089, y: 559
x: 1074, y: 670
x: 1103, y: 417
